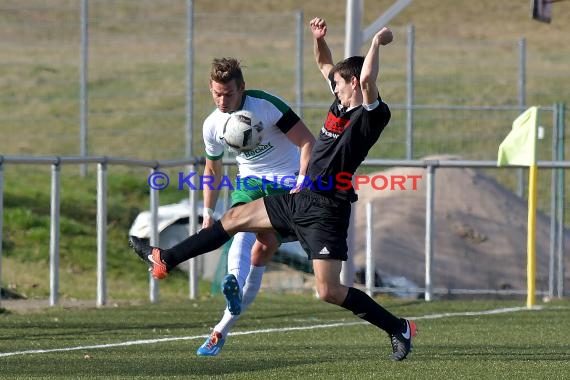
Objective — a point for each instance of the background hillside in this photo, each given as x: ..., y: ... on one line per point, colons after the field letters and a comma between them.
x: 466, y: 54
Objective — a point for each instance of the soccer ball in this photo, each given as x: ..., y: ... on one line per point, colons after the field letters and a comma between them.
x: 242, y: 131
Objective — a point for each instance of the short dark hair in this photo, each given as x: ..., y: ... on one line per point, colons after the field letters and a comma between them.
x: 349, y: 67
x: 224, y: 70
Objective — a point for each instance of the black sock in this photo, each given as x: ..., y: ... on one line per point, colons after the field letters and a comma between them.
x: 366, y: 308
x: 206, y: 240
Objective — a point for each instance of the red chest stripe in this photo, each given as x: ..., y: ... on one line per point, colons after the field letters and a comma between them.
x: 336, y: 124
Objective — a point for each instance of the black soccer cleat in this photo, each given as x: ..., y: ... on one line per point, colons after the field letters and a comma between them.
x: 141, y: 247
x: 402, y: 342
x: 150, y: 255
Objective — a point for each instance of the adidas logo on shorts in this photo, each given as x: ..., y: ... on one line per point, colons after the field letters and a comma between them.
x: 324, y: 251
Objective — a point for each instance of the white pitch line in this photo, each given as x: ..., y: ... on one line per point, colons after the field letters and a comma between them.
x: 283, y: 329
x: 485, y: 312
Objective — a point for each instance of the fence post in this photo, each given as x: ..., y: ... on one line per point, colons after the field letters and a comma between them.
x: 299, y: 56
x: 101, y: 233
x: 522, y: 74
x: 154, y: 240
x: 347, y: 271
x: 189, y: 77
x: 430, y: 189
x: 553, y: 205
x: 54, y: 234
x: 192, y: 263
x: 83, y: 102
x: 561, y: 107
x: 410, y: 94
x: 353, y: 34
x: 1, y: 219
x: 522, y: 104
x: 370, y: 277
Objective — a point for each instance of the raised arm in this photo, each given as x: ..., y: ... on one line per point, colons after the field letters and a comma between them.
x: 370, y: 67
x: 321, y: 50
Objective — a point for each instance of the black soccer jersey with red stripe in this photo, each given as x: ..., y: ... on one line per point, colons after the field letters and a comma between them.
x: 343, y: 143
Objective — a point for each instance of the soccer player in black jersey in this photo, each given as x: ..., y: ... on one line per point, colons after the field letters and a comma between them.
x: 317, y: 216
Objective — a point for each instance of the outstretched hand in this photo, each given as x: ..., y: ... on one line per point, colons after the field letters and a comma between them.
x: 318, y: 27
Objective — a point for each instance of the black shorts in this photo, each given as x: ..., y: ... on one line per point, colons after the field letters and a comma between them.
x: 319, y: 223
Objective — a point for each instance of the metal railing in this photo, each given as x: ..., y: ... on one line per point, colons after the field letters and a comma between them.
x: 431, y: 167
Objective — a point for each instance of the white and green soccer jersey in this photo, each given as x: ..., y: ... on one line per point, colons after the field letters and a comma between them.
x: 276, y: 156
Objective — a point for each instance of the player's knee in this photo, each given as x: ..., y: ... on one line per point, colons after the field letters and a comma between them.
x: 231, y: 214
x: 328, y: 294
x: 325, y: 296
x: 232, y: 221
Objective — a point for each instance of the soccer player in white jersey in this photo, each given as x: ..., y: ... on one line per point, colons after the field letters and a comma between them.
x: 319, y: 214
x: 275, y: 166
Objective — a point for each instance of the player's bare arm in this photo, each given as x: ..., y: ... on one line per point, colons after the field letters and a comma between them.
x: 303, y: 138
x: 370, y: 67
x: 321, y: 50
x: 213, y: 168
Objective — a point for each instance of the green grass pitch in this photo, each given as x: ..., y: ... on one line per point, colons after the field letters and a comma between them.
x: 287, y: 337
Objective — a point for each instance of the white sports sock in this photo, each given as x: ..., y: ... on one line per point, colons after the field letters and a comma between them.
x: 252, y: 285
x: 250, y: 290
x: 239, y: 256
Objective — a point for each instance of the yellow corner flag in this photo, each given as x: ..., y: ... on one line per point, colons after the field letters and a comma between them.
x: 519, y: 148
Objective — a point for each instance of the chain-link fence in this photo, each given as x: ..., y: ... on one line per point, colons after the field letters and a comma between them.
x: 464, y: 93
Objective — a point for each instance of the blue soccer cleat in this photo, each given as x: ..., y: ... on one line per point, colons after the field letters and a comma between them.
x: 230, y: 288
x: 212, y: 346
